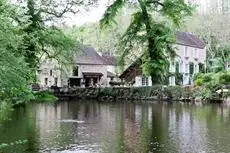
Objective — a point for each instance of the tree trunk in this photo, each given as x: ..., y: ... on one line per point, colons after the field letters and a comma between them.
x: 151, y: 41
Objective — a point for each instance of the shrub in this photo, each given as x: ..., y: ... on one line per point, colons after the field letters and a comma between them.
x: 199, y: 82
x: 44, y: 97
x: 207, y: 77
x: 224, y: 78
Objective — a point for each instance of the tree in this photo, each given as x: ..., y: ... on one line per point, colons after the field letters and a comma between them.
x: 213, y: 27
x: 41, y: 36
x: 156, y: 36
x: 15, y: 75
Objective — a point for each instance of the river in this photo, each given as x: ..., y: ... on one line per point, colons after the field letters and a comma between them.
x: 109, y: 127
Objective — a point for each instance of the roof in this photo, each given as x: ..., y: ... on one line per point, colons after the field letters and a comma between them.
x: 109, y: 60
x: 89, y: 55
x: 110, y: 74
x: 133, y: 65
x: 92, y: 73
x: 188, y: 39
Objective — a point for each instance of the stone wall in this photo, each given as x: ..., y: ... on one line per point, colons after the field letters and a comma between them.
x: 137, y: 93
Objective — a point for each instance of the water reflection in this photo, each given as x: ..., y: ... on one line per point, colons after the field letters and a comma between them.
x: 137, y: 127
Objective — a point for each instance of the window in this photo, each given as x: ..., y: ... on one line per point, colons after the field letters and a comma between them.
x: 75, y: 71
x: 145, y: 81
x: 177, y: 67
x: 186, y: 51
x: 55, y: 81
x: 181, y: 67
x: 46, y: 81
x: 51, y: 73
x: 172, y: 67
x: 201, y: 68
x: 191, y: 68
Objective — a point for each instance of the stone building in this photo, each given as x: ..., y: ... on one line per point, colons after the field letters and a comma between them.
x: 111, y: 65
x: 191, y: 59
x: 49, y: 73
x: 90, y: 69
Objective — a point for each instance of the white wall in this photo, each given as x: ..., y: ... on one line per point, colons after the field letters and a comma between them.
x: 186, y: 55
x: 84, y: 69
x: 111, y: 69
x: 44, y: 72
x: 138, y: 81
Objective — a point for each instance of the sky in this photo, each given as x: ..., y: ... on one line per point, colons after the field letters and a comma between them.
x: 93, y: 15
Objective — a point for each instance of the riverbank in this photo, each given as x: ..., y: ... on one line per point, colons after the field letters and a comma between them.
x: 159, y: 93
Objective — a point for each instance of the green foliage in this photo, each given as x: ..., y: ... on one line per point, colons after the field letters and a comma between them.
x: 111, y: 12
x: 44, y: 97
x: 199, y: 82
x: 26, y: 38
x: 15, y: 76
x: 209, y: 83
x: 207, y: 78
x: 213, y: 28
x: 157, y: 92
x: 5, y: 110
x: 148, y: 37
x: 6, y: 145
x: 224, y: 78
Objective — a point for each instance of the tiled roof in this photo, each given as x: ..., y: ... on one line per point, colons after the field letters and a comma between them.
x: 88, y: 55
x: 188, y: 39
x: 109, y: 60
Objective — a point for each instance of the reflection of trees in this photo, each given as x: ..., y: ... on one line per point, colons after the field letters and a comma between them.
x: 21, y: 127
x: 121, y: 130
x: 32, y: 131
x: 157, y: 133
x: 145, y: 131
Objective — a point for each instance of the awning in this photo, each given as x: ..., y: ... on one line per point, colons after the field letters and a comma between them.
x: 92, y: 74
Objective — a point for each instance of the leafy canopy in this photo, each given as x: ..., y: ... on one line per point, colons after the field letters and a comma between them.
x: 148, y: 36
x: 14, y: 73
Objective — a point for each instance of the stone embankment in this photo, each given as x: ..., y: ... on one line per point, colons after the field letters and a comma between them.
x: 162, y: 93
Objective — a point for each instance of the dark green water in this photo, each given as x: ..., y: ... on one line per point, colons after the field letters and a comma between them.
x: 88, y: 127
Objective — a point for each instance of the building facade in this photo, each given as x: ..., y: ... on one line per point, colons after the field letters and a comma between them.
x: 88, y: 70
x: 191, y: 59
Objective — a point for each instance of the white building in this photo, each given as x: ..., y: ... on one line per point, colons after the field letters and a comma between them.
x: 191, y: 59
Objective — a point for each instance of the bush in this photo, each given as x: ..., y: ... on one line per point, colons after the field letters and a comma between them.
x: 224, y: 78
x: 207, y: 77
x: 44, y: 97
x: 199, y: 82
x: 211, y: 82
